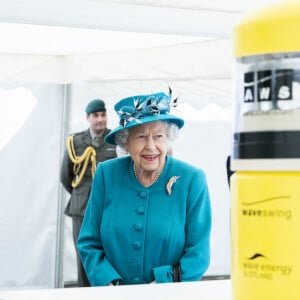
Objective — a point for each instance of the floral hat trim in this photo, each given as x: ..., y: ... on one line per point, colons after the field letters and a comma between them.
x: 146, y: 105
x: 137, y: 110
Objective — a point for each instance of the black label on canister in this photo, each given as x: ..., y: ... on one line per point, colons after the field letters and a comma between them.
x: 266, y: 144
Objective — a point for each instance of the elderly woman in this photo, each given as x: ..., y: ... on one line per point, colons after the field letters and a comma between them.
x: 148, y: 217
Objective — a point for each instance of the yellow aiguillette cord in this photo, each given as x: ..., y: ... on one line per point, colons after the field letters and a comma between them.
x: 80, y: 163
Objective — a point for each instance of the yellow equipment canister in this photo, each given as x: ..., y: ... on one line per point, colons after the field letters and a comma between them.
x: 265, y: 188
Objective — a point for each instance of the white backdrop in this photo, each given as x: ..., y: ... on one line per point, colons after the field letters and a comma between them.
x: 29, y: 203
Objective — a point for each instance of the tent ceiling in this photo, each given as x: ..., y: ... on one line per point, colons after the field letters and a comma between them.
x: 87, y: 26
x: 183, y: 42
x: 53, y: 40
x: 216, y: 5
x: 213, y: 18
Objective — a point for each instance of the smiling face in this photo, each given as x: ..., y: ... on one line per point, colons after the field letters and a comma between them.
x: 147, y: 145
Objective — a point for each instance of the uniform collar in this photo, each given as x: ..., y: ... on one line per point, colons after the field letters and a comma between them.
x: 93, y: 134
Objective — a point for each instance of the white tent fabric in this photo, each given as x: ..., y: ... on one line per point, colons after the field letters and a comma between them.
x: 67, y: 52
x: 186, y: 62
x: 193, y: 17
x: 29, y: 190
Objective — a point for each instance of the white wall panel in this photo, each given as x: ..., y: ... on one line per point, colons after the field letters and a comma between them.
x: 29, y: 179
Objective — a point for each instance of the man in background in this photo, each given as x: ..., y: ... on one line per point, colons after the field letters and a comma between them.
x: 84, y: 150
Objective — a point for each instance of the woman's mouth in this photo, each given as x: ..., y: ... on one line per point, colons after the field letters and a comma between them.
x: 150, y: 157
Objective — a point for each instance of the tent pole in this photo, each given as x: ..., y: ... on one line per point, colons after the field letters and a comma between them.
x: 65, y: 121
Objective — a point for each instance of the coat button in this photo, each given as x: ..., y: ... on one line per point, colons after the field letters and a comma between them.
x: 136, y: 245
x: 143, y: 194
x: 140, y: 210
x: 138, y: 226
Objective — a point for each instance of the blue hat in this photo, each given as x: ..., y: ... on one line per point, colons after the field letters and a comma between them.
x: 95, y: 106
x: 141, y: 109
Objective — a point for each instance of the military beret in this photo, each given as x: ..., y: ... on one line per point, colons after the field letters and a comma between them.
x: 95, y: 106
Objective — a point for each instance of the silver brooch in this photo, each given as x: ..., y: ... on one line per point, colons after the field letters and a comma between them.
x: 170, y: 183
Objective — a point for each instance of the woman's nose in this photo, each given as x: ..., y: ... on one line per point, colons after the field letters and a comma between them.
x: 150, y: 143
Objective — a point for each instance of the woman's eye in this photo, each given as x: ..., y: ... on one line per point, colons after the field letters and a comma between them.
x: 159, y: 136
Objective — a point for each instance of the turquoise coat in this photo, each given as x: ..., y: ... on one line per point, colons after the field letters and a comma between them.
x: 136, y: 234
